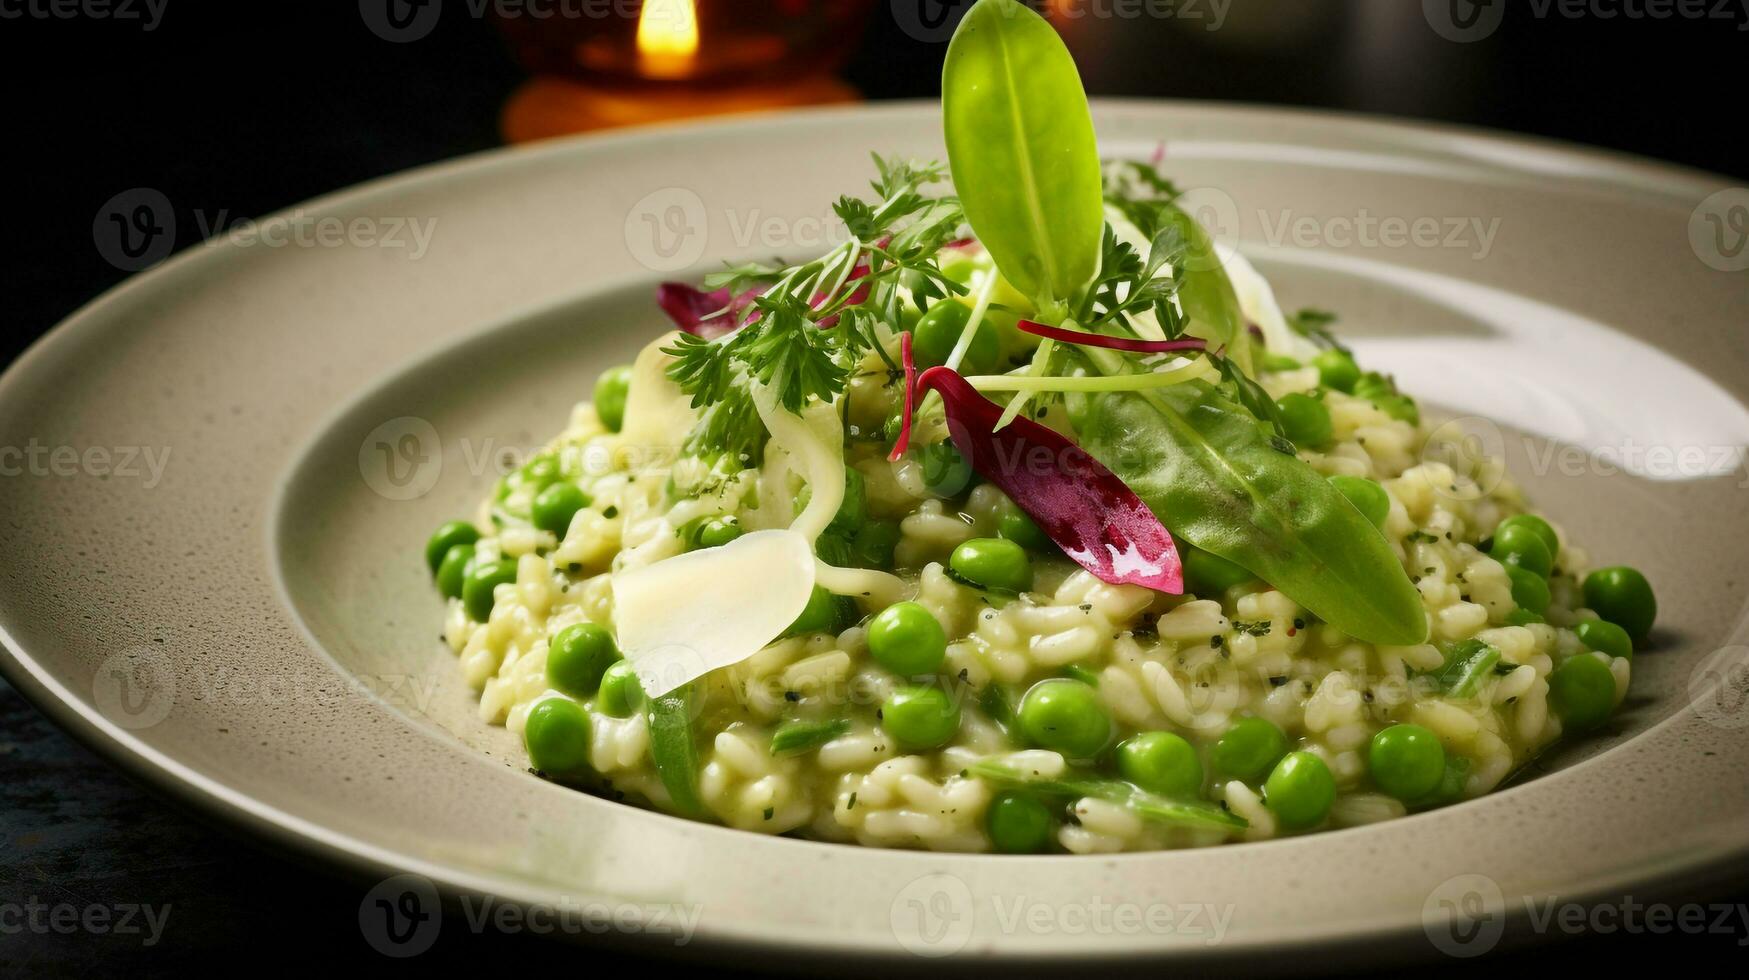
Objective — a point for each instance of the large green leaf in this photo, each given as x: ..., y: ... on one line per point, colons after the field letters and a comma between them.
x: 1021, y: 146
x: 1211, y: 473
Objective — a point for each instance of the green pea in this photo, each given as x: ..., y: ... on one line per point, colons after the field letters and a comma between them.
x: 939, y: 330
x: 454, y: 569
x: 447, y: 537
x: 1519, y: 544
x: 1336, y: 369
x: 1019, y: 824
x: 611, y: 391
x: 1373, y: 386
x: 556, y: 505
x: 1523, y: 617
x: 946, y: 473
x: 820, y: 615
x: 920, y: 718
x: 1306, y: 419
x: 539, y: 472
x: 620, y: 694
x: 556, y: 735
x: 718, y: 531
x: 1065, y: 716
x: 1407, y: 761
x: 1529, y: 590
x: 1161, y: 762
x: 1249, y: 750
x: 992, y: 563
x: 1624, y: 597
x: 1280, y: 362
x: 577, y: 658
x: 1367, y: 497
x: 1013, y: 524
x: 1605, y: 637
x: 1537, y: 526
x: 853, y: 509
x: 1300, y: 791
x: 1400, y: 407
x: 959, y: 264
x: 1207, y: 574
x: 1582, y: 692
x: 478, y: 584
x: 907, y: 640
x: 874, y: 544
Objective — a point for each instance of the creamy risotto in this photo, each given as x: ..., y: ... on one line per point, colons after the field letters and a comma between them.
x: 1022, y: 520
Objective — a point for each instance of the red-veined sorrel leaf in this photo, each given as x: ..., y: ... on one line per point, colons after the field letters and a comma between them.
x: 1091, y: 514
x: 1130, y: 344
x: 909, y: 361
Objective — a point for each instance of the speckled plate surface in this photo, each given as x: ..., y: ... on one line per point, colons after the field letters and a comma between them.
x: 247, y: 622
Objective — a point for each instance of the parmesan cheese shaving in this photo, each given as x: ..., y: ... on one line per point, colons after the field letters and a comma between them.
x: 685, y: 616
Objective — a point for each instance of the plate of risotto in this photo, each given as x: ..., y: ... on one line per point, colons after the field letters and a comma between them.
x: 1002, y: 528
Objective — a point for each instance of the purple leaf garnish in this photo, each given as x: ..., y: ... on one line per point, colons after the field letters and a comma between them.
x: 707, y: 315
x: 1096, y: 519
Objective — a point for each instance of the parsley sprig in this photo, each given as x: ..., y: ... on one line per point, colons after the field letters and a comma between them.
x: 810, y: 323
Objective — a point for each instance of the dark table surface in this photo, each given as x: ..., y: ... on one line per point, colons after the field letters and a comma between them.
x: 245, y: 109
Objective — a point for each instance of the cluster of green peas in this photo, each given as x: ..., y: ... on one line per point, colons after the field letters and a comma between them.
x: 459, y: 573
x: 1581, y: 689
x: 1305, y: 416
x: 1066, y: 715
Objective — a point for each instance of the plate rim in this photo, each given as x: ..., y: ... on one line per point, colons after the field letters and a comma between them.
x: 285, y: 831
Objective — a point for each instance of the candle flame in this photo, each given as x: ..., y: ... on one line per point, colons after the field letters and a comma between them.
x: 667, y: 37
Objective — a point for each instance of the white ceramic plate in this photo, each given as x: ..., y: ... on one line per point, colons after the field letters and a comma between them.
x: 253, y: 629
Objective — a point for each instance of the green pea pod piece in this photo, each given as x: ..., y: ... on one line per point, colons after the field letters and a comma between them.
x: 674, y: 750
x: 1208, y: 469
x: 1148, y: 806
x: 1466, y: 665
x: 1021, y: 147
x: 795, y: 737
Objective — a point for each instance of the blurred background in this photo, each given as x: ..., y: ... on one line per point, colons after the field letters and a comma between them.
x: 232, y: 111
